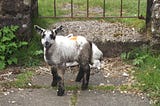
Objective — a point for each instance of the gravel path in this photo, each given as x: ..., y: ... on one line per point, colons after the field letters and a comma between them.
x: 101, y: 31
x: 112, y: 38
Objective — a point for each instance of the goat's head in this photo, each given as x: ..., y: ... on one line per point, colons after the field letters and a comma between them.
x: 48, y: 36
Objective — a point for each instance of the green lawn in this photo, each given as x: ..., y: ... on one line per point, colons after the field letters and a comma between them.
x: 147, y: 71
x: 112, y: 8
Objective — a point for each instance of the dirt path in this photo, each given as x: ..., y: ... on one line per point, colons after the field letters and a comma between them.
x: 115, y: 74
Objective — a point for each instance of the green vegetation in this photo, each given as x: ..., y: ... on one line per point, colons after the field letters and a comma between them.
x: 23, y: 80
x: 146, y: 61
x: 10, y: 45
x: 104, y: 88
x: 32, y: 55
x: 72, y: 88
x: 74, y: 99
x: 112, y: 8
x: 124, y: 87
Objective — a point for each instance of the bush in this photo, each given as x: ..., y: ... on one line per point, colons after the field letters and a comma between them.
x: 9, y: 45
x: 138, y: 55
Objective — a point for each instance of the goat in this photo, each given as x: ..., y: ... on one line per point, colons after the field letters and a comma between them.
x: 59, y: 50
x: 96, y: 58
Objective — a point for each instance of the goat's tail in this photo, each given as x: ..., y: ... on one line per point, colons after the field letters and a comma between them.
x: 97, y: 56
x: 91, y: 52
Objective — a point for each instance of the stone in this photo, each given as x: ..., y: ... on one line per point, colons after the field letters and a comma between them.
x: 155, y: 18
x: 19, y: 12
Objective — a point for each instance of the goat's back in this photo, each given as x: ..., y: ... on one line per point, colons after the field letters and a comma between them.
x: 67, y: 49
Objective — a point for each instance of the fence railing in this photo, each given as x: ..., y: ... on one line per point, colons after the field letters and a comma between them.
x: 103, y: 15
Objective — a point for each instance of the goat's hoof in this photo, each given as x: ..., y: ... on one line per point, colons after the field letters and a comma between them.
x: 78, y: 80
x: 60, y: 92
x: 84, y: 87
x: 54, y: 83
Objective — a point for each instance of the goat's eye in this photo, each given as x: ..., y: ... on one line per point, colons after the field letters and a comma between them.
x: 52, y: 36
x: 43, y: 35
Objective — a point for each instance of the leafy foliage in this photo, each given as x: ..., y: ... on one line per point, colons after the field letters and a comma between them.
x: 9, y: 46
x: 147, y: 72
x: 138, y: 56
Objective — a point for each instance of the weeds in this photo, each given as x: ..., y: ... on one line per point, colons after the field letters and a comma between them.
x: 9, y: 45
x: 74, y: 99
x: 147, y: 70
x: 104, y: 88
x: 23, y: 80
x: 31, y: 55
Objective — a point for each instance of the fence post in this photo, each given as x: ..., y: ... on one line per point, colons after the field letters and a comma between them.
x: 87, y: 8
x: 71, y: 8
x: 148, y: 13
x: 55, y: 8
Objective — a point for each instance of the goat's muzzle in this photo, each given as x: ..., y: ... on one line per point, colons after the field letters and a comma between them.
x: 47, y: 45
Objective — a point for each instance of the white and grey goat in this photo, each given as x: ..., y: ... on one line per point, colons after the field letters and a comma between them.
x: 60, y: 50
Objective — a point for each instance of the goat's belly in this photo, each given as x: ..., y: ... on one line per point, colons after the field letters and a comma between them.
x: 52, y: 61
x: 60, y: 60
x: 70, y: 55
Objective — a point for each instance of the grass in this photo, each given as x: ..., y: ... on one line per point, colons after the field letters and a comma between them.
x: 103, y: 88
x: 74, y: 99
x: 112, y: 8
x: 28, y: 56
x: 150, y: 83
x: 146, y: 60
x: 23, y: 80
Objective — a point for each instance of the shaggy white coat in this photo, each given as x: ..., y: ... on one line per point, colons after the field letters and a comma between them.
x: 65, y: 50
x: 97, y: 55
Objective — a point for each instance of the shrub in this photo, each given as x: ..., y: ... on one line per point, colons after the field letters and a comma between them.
x: 138, y: 55
x: 9, y: 45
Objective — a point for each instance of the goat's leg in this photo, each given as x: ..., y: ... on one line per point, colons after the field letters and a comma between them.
x: 55, y: 76
x: 80, y: 74
x: 60, y: 83
x: 86, y: 76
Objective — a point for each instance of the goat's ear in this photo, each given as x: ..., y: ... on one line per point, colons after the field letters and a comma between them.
x: 57, y: 30
x: 39, y: 29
